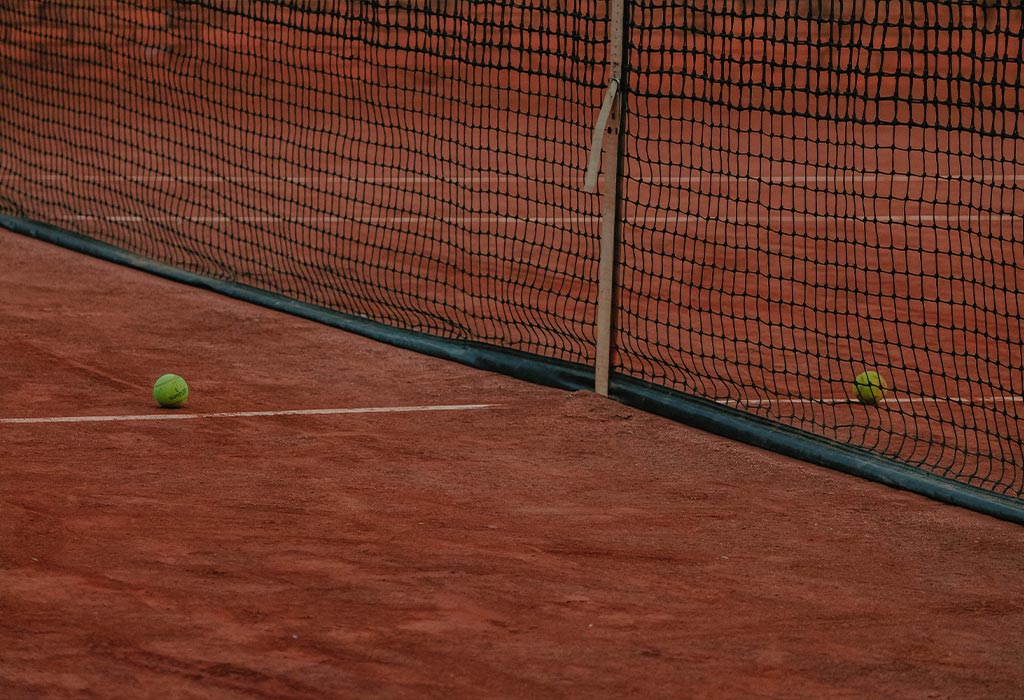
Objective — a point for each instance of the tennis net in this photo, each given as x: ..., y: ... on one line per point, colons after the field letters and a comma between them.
x: 808, y: 189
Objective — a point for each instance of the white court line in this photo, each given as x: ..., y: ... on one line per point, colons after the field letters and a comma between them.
x: 769, y: 219
x: 243, y: 414
x: 761, y: 220
x: 964, y: 400
x: 845, y: 176
x: 293, y: 179
x: 372, y: 220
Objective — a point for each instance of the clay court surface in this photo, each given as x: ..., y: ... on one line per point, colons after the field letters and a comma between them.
x: 551, y: 545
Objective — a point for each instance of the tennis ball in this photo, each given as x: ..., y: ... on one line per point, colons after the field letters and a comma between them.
x: 869, y: 387
x: 170, y: 391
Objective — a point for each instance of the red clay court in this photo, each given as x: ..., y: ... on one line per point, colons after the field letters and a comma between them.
x: 555, y: 544
x: 797, y: 191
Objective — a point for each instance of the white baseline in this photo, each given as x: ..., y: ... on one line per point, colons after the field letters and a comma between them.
x: 244, y: 414
x: 892, y: 401
x: 796, y: 178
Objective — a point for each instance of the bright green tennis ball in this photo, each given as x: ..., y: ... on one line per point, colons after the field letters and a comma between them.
x: 869, y: 387
x: 170, y: 391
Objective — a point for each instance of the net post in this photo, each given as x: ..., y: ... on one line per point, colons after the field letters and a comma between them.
x: 610, y: 132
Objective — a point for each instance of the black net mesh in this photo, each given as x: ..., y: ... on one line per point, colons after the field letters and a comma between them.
x: 416, y: 165
x: 809, y: 189
x: 814, y: 190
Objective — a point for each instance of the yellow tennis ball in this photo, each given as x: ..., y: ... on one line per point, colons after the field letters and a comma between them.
x: 170, y: 391
x: 869, y: 387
